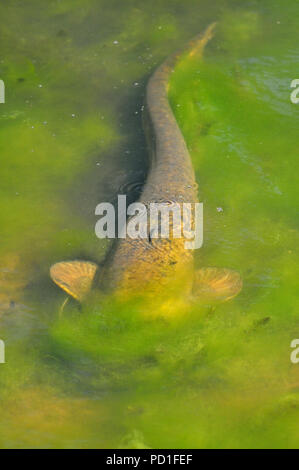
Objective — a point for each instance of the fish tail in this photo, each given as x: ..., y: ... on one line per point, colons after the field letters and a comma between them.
x: 195, y: 47
x: 198, y: 43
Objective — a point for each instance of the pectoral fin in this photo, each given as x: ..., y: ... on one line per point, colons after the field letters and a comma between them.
x: 216, y: 284
x: 74, y: 277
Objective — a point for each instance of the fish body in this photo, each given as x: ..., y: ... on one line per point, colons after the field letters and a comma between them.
x: 153, y: 264
x: 159, y: 266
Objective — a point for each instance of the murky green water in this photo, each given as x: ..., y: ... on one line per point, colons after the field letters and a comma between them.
x: 71, y: 136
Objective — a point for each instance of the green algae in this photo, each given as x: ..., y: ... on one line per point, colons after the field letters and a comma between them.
x: 104, y: 376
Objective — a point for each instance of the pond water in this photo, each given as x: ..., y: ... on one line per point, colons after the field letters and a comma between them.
x: 71, y: 136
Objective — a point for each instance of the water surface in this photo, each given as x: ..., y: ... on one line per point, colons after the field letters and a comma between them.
x: 71, y: 136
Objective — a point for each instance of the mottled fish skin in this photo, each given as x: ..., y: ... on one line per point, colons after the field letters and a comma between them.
x: 158, y: 267
x: 160, y: 264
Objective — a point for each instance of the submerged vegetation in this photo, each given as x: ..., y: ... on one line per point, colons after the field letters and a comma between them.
x: 106, y: 375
